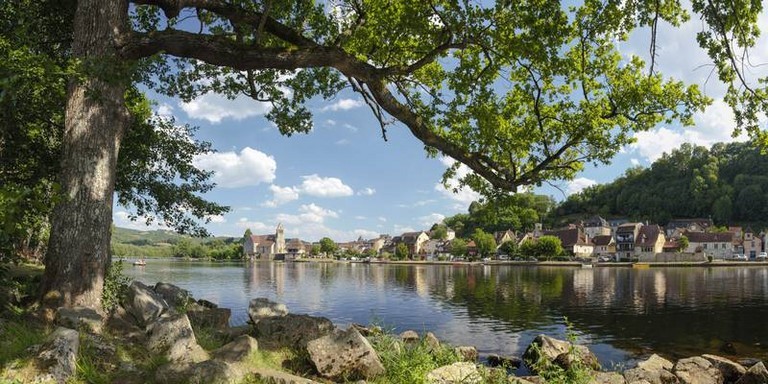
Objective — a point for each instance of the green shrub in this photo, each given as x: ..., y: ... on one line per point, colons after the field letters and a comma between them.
x: 115, y: 286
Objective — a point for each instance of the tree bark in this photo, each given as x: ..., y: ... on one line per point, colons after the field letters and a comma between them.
x: 95, y: 121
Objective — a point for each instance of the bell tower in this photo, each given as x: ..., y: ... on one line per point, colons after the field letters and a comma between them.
x: 280, y: 239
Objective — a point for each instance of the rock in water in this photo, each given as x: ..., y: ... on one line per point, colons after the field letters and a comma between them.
x: 175, y: 297
x: 755, y: 374
x: 730, y: 370
x: 697, y: 370
x: 261, y: 308
x: 345, y: 355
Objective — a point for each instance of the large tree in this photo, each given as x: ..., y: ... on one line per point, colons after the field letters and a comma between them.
x: 520, y: 92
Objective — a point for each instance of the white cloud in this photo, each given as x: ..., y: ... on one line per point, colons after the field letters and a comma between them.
x: 432, y: 218
x: 382, y: 219
x: 317, y: 186
x: 398, y: 229
x: 342, y: 142
x: 232, y: 170
x: 307, y: 214
x: 343, y: 105
x: 351, y: 127
x: 215, y: 108
x: 165, y: 110
x: 366, y: 234
x: 122, y: 219
x: 256, y: 227
x: 281, y: 195
x: 464, y: 196
x: 578, y: 184
x: 216, y: 219
x: 368, y: 191
x: 634, y: 162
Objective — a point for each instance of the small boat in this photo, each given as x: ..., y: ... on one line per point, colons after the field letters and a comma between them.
x: 140, y: 262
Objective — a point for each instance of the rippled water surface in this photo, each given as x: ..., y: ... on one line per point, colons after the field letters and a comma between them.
x: 621, y: 313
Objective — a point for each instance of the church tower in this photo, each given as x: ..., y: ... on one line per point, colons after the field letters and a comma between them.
x: 280, y: 239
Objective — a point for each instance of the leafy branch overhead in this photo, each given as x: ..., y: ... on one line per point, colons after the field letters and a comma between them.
x: 521, y: 92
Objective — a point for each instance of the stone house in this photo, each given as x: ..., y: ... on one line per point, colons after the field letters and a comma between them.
x: 625, y: 240
x: 604, y: 245
x: 268, y: 247
x: 649, y: 241
x: 717, y: 245
x: 688, y: 225
x: 414, y: 241
x: 596, y: 226
x: 752, y: 243
x: 574, y: 241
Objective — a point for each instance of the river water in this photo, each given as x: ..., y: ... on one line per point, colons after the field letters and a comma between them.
x: 621, y: 313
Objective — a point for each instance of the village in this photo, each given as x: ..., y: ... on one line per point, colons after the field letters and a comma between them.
x: 593, y: 239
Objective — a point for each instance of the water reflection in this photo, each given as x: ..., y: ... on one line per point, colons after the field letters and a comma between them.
x: 621, y: 312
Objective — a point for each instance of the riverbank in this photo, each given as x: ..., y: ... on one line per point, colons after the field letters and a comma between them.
x: 161, y: 334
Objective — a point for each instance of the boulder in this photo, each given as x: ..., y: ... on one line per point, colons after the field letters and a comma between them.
x: 409, y: 336
x: 608, y: 378
x: 730, y: 370
x: 495, y: 360
x: 697, y: 370
x: 432, y: 342
x: 216, y: 318
x: 559, y: 352
x: 80, y: 318
x: 177, y: 298
x: 144, y: 304
x: 654, y: 370
x: 237, y: 350
x: 344, y: 355
x: 754, y: 375
x: 579, y: 354
x: 121, y: 324
x: 293, y: 331
x: 367, y: 331
x: 57, y: 356
x: 172, y: 335
x: 208, y: 371
x: 207, y: 304
x: 266, y: 375
x: 262, y: 308
x: 456, y: 373
x: 466, y: 353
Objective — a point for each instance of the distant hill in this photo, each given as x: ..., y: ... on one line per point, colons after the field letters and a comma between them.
x: 156, y: 243
x: 727, y: 182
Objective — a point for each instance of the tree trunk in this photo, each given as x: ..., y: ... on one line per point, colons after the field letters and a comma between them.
x: 96, y: 119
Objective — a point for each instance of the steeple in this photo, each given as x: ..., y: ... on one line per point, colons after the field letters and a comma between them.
x: 280, y: 238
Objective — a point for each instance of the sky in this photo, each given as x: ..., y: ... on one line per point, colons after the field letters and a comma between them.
x: 344, y: 181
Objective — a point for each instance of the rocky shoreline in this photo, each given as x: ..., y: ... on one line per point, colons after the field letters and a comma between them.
x: 167, y: 322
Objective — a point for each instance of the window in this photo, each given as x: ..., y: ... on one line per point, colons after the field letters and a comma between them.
x: 705, y: 245
x: 715, y: 245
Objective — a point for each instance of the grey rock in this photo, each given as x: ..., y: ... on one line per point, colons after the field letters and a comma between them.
x: 172, y: 335
x: 730, y: 370
x: 237, y: 350
x: 608, y: 378
x: 367, y: 331
x: 272, y: 376
x: 144, y: 304
x: 528, y: 380
x: 432, y: 342
x: 755, y: 374
x: 123, y: 325
x: 204, y: 372
x: 292, y: 331
x: 559, y: 352
x: 345, y: 355
x: 262, y: 308
x: 466, y: 353
x: 495, y: 360
x: 207, y: 304
x: 216, y: 318
x: 83, y: 318
x: 697, y: 370
x: 409, y: 336
x: 57, y: 356
x: 456, y: 373
x: 177, y: 298
x: 654, y: 370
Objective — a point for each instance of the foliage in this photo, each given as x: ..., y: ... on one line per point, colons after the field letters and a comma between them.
x: 519, y: 212
x: 458, y: 247
x: 438, y: 232
x: 411, y: 363
x: 510, y: 248
x: 401, y: 251
x: 485, y: 243
x: 682, y: 243
x: 328, y: 246
x: 725, y: 182
x: 314, y: 250
x: 549, y: 246
x: 18, y: 336
x: 115, y: 286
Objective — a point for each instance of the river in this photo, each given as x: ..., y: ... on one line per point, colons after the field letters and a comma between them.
x: 621, y: 313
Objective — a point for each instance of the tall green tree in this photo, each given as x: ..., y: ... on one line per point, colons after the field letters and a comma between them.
x: 568, y: 97
x: 401, y: 252
x: 458, y: 247
x: 485, y: 243
x: 327, y: 246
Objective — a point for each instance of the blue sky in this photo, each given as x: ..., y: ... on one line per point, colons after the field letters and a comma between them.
x: 343, y: 181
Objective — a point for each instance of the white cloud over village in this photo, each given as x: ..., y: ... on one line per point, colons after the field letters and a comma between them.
x: 578, y: 184
x: 343, y: 105
x: 463, y: 196
x: 232, y: 170
x: 314, y: 185
x: 215, y: 108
